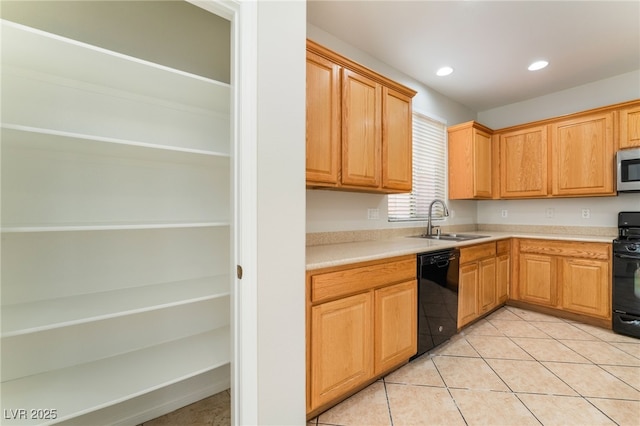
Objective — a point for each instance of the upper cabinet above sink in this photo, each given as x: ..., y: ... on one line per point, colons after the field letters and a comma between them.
x: 358, y: 126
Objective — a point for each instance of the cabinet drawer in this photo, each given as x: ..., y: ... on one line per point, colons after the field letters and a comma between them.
x: 480, y: 251
x: 576, y: 249
x: 503, y: 246
x: 342, y: 282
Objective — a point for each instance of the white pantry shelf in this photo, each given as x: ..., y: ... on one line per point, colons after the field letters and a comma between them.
x: 84, y: 388
x: 51, y: 139
x: 107, y: 226
x: 29, y: 48
x: 44, y: 315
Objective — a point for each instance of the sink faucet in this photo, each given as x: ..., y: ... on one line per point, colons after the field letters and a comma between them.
x: 446, y: 214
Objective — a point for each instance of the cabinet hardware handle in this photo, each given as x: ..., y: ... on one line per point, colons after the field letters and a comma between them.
x: 239, y: 271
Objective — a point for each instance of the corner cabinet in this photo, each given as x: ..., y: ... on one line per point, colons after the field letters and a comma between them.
x: 483, y: 282
x: 566, y: 277
x: 359, y: 132
x: 470, y: 161
x: 116, y: 231
x: 361, y: 324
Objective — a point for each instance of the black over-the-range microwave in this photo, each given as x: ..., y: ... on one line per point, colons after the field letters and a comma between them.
x: 628, y: 170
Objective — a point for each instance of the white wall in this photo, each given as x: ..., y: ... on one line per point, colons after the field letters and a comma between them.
x: 568, y: 212
x: 346, y: 211
x: 280, y: 215
x: 621, y: 88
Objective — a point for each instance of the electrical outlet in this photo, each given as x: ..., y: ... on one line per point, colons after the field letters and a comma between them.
x: 549, y: 212
x: 505, y: 213
x: 373, y: 214
x: 586, y: 213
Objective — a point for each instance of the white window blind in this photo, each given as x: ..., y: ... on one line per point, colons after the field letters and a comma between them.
x: 429, y: 173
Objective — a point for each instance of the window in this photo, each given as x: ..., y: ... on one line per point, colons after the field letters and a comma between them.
x: 429, y: 173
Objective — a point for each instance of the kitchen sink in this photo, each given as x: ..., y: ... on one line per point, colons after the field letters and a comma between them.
x: 451, y: 237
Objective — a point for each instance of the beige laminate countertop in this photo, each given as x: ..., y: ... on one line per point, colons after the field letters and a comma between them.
x: 322, y: 256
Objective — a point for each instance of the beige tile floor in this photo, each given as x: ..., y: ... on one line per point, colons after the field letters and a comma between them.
x: 515, y: 367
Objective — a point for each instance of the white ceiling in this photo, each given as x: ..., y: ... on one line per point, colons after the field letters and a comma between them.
x: 490, y: 43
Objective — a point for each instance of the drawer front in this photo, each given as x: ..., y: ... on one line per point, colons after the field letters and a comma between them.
x: 503, y: 246
x: 340, y: 283
x: 576, y: 249
x: 477, y: 252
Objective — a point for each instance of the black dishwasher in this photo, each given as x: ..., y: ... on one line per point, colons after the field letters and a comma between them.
x: 437, y: 298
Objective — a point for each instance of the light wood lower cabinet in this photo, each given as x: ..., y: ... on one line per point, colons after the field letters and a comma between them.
x: 341, y: 345
x: 483, y: 279
x: 395, y: 325
x: 361, y: 323
x: 567, y: 277
x: 538, y: 279
x: 585, y: 286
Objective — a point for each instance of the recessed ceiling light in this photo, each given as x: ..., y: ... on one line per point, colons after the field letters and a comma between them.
x: 538, y: 65
x: 444, y: 71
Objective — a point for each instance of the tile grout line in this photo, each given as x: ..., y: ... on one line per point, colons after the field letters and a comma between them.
x: 386, y: 394
x: 446, y: 386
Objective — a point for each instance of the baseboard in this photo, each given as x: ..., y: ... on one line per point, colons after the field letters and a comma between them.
x: 140, y: 409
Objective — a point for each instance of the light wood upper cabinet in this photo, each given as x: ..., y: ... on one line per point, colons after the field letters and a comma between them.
x: 630, y: 127
x: 397, y: 159
x: 583, y: 155
x: 359, y: 126
x: 523, y: 163
x: 470, y: 161
x: 361, y: 130
x: 323, y: 120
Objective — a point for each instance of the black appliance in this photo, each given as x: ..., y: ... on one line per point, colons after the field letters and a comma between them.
x: 437, y: 298
x: 626, y: 275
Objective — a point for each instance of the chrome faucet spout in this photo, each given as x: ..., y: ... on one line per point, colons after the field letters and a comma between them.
x: 446, y: 214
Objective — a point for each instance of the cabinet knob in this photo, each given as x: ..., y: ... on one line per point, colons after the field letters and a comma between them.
x: 239, y: 271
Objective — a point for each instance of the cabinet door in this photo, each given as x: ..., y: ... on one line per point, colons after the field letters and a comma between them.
x: 487, y: 285
x: 397, y: 158
x: 323, y: 120
x: 503, y: 274
x: 482, y: 167
x: 630, y: 128
x: 361, y: 130
x: 470, y: 170
x: 583, y: 151
x: 395, y: 330
x: 341, y: 346
x: 468, y: 293
x: 537, y: 280
x: 523, y: 163
x: 586, y: 286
